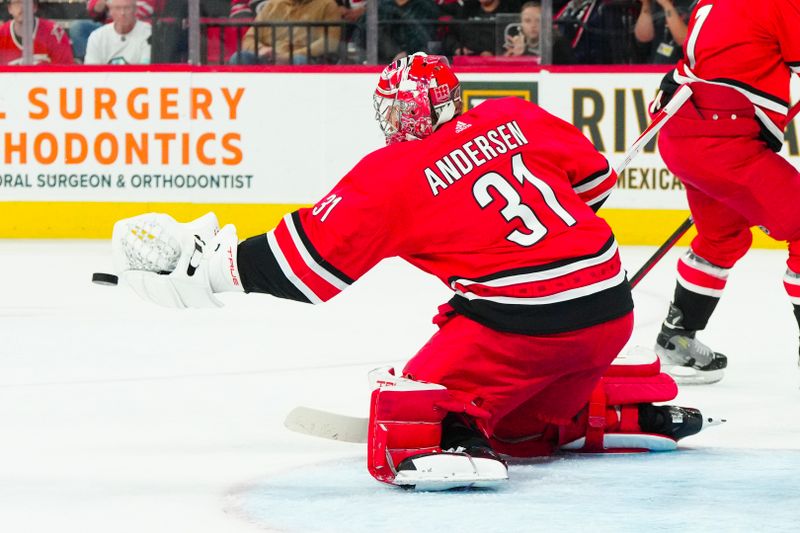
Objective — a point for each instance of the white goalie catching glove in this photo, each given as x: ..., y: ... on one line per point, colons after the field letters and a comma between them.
x: 179, y: 265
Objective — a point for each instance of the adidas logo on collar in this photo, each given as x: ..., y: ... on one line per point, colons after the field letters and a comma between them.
x: 461, y: 126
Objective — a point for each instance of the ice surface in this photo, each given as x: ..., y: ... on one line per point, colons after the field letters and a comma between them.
x: 118, y: 416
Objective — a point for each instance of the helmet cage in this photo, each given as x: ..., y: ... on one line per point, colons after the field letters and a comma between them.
x: 416, y: 95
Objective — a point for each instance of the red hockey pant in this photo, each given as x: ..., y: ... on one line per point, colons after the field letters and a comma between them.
x: 733, y: 180
x: 528, y: 377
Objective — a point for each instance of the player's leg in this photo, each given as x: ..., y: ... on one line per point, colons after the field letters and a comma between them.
x: 619, y: 415
x: 781, y: 200
x: 791, y: 280
x: 723, y: 234
x: 553, y: 375
x: 751, y: 185
x: 411, y: 426
x: 465, y: 379
x: 427, y: 430
x: 723, y: 237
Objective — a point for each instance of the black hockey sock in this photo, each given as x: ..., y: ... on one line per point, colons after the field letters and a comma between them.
x: 460, y: 430
x: 696, y: 308
x: 797, y: 314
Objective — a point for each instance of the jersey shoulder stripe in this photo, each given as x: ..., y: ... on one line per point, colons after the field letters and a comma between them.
x: 287, y: 270
x: 321, y: 262
x: 311, y: 279
x: 585, y: 183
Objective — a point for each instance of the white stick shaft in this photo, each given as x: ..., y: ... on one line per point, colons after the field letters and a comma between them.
x: 678, y: 99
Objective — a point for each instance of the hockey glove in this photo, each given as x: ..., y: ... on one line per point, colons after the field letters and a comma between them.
x: 173, y: 264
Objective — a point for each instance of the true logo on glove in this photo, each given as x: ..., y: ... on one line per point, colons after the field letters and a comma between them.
x: 232, y: 267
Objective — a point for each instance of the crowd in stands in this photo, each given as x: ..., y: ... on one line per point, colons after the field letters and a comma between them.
x: 335, y: 31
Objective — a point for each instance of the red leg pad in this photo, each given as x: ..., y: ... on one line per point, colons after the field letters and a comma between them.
x: 613, y: 410
x: 403, y: 423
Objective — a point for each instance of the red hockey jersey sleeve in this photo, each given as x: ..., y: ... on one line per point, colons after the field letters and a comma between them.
x: 314, y: 253
x: 589, y: 172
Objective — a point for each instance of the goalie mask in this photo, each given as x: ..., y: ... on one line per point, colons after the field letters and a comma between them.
x: 416, y: 95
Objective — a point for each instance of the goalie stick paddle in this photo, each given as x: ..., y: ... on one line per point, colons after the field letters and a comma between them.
x: 327, y: 425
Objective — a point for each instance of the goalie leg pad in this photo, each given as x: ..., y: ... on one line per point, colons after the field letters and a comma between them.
x: 405, y: 435
x: 610, y: 422
x: 402, y: 424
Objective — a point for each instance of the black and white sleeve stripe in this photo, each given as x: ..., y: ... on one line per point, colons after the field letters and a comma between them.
x: 261, y: 272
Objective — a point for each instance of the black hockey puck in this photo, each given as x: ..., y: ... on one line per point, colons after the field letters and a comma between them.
x: 101, y: 278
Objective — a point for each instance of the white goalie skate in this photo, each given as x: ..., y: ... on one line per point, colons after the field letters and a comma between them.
x: 475, y: 467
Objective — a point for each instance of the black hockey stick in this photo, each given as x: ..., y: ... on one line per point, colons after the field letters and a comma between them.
x: 662, y: 251
x: 679, y: 98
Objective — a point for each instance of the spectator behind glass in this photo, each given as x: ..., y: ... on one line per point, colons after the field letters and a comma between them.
x: 599, y: 31
x: 80, y: 30
x: 50, y: 43
x: 526, y: 41
x: 406, y: 36
x: 482, y: 39
x: 352, y: 10
x: 257, y: 46
x: 126, y: 41
x: 664, y: 26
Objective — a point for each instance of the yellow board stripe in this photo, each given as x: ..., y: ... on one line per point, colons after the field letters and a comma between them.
x: 94, y: 220
x: 651, y: 227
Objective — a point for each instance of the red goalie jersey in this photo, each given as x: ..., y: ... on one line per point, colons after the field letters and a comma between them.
x: 753, y: 47
x: 496, y: 203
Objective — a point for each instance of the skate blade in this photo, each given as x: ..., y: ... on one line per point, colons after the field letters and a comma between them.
x: 685, y: 375
x: 430, y: 485
x: 710, y: 421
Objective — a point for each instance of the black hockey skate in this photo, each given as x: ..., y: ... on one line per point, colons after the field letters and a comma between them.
x: 687, y: 360
x: 673, y: 421
x: 467, y: 460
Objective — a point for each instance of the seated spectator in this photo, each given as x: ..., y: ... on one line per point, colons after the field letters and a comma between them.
x: 50, y: 42
x: 258, y: 45
x: 80, y: 30
x: 526, y: 41
x: 125, y: 41
x: 353, y: 12
x: 482, y: 39
x: 219, y: 41
x: 407, y: 36
x: 664, y: 26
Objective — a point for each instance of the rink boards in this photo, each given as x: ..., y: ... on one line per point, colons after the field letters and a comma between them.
x: 81, y: 151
